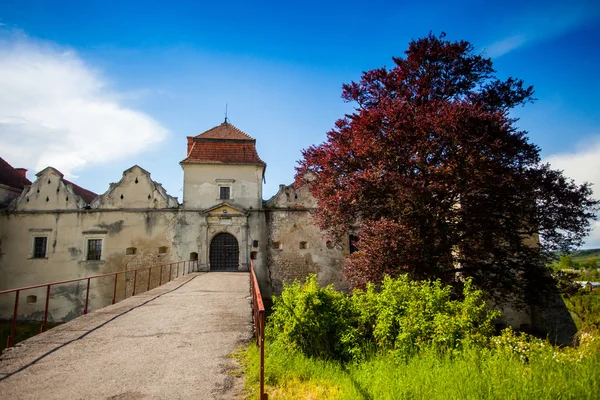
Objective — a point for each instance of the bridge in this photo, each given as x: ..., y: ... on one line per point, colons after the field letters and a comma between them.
x: 171, y: 342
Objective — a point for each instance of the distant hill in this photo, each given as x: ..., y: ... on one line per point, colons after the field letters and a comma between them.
x: 584, y: 255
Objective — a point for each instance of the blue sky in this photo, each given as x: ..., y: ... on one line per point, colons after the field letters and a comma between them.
x: 95, y: 87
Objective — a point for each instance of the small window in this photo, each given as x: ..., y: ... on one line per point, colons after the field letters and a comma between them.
x: 94, y: 249
x: 130, y: 251
x: 352, y: 244
x: 277, y: 245
x: 31, y: 299
x: 193, y: 256
x: 330, y: 244
x: 39, y: 247
x: 224, y: 192
x: 162, y: 249
x: 253, y: 255
x: 303, y: 245
x: 255, y: 243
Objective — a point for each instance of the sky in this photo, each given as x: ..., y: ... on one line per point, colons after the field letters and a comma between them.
x: 92, y: 88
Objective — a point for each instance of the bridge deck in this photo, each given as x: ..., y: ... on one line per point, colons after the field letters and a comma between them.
x: 169, y: 343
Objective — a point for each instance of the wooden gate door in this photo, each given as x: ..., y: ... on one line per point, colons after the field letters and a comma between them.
x: 224, y: 253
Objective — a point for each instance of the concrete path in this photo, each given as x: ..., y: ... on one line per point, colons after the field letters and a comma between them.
x: 172, y: 342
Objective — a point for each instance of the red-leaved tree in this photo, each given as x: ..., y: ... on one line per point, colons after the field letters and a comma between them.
x: 436, y: 178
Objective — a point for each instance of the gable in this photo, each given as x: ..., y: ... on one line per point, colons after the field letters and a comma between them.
x: 135, y: 190
x: 50, y: 192
x: 224, y: 209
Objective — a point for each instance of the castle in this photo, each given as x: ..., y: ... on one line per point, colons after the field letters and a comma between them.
x: 55, y: 230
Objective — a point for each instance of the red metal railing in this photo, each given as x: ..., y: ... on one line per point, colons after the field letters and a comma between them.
x: 259, y: 327
x: 186, y: 265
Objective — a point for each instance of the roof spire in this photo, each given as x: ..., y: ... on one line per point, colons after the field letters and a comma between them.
x: 225, y: 112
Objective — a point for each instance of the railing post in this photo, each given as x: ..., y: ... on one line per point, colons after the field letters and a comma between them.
x: 170, y: 271
x: 115, y: 289
x: 134, y: 281
x: 87, y: 296
x: 13, y: 329
x: 177, y: 276
x: 261, y: 323
x: 149, y: 275
x: 43, y: 327
x: 160, y: 277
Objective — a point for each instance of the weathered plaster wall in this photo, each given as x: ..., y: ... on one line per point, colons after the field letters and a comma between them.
x: 7, y: 193
x: 130, y: 239
x: 145, y: 230
x: 202, y: 182
x: 296, y: 246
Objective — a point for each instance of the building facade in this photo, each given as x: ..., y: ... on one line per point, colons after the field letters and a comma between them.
x: 55, y: 230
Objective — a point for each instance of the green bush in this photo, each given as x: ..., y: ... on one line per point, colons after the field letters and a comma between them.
x: 408, y: 316
x: 585, y: 308
x: 310, y: 319
x: 401, y: 316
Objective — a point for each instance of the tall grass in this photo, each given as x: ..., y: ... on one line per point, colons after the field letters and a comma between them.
x: 472, y: 373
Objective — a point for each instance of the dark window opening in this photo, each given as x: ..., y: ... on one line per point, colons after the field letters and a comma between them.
x: 130, y: 251
x: 162, y: 249
x: 193, y: 256
x: 277, y: 245
x: 31, y: 299
x: 253, y: 255
x: 94, y: 249
x: 255, y: 243
x: 352, y: 244
x: 39, y: 247
x: 303, y: 245
x: 224, y: 192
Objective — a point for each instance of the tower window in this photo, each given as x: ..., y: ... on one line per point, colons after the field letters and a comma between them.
x: 303, y: 245
x: 224, y: 192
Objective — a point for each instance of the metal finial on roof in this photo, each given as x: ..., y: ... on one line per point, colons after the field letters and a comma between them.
x: 225, y: 112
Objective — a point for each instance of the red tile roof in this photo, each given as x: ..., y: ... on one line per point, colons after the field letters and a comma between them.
x: 85, y: 194
x: 223, y: 144
x: 11, y: 177
x: 224, y: 131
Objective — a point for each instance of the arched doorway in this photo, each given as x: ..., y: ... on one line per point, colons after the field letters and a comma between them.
x: 224, y: 253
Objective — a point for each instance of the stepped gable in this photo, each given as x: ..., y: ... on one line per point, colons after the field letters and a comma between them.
x: 86, y: 195
x: 9, y: 176
x: 223, y: 144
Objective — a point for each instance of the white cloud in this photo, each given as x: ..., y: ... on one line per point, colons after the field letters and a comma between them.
x: 539, y: 24
x: 583, y: 165
x: 56, y: 110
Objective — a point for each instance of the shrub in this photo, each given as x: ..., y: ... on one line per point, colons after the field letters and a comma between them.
x: 310, y: 319
x: 402, y: 316
x: 407, y: 316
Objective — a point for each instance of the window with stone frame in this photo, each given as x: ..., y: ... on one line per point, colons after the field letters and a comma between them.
x: 94, y: 249
x: 224, y: 192
x: 40, y: 244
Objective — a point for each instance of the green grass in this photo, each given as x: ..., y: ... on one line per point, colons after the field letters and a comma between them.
x: 24, y: 330
x: 477, y: 373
